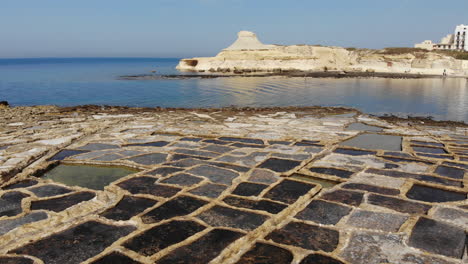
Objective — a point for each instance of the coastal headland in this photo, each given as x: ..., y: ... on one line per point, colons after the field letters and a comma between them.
x: 247, y: 55
x: 282, y: 185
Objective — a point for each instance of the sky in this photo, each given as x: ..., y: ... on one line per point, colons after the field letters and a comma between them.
x: 187, y: 28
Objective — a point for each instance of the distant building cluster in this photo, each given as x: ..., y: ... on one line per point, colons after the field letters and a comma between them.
x: 457, y: 41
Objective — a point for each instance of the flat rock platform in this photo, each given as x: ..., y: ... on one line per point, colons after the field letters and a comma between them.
x: 277, y: 185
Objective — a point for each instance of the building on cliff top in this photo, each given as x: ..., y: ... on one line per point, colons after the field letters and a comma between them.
x: 457, y: 41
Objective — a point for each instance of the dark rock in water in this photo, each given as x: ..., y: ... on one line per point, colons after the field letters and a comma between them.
x: 4, y: 103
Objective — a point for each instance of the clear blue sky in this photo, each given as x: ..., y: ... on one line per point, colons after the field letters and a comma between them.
x: 182, y: 28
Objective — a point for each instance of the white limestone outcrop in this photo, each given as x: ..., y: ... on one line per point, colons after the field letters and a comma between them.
x: 248, y: 54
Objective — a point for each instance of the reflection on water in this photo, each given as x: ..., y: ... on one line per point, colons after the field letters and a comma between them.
x: 94, y: 82
x: 93, y: 177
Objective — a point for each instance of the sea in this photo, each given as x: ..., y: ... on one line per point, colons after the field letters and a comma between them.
x: 81, y: 81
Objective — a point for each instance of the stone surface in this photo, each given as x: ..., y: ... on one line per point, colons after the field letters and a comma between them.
x: 10, y: 203
x: 209, y: 190
x: 182, y: 179
x: 62, y: 203
x: 214, y: 174
x: 458, y: 217
x: 10, y: 224
x: 376, y: 220
x: 266, y: 254
x: 306, y: 236
x: 344, y: 196
x: 376, y: 248
x: 15, y: 260
x: 49, y: 190
x: 323, y: 212
x: 249, y: 189
x: 262, y: 205
x: 438, y: 237
x: 332, y: 171
x: 75, y: 244
x: 181, y: 205
x: 434, y: 195
x: 399, y: 205
x: 159, y: 237
x: 370, y: 188
x: 164, y: 171
x: 279, y: 165
x: 227, y: 217
x: 63, y: 154
x: 115, y: 258
x: 146, y: 185
x: 150, y: 159
x: 20, y: 184
x: 204, y: 249
x: 354, y: 152
x: 450, y: 172
x: 319, y: 258
x: 97, y: 146
x: 128, y: 207
x: 346, y: 208
x: 288, y: 191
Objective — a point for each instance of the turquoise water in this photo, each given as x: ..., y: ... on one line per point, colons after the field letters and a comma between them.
x: 67, y: 82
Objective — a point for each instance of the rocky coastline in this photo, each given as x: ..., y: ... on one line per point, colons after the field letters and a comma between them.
x: 225, y: 73
x: 248, y: 55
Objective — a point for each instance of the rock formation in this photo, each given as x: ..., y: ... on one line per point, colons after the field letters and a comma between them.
x: 247, y: 54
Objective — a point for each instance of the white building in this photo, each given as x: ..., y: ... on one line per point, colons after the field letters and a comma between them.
x: 457, y: 41
x: 461, y: 38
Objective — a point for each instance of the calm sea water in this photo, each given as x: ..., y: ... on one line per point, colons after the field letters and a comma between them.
x: 67, y: 82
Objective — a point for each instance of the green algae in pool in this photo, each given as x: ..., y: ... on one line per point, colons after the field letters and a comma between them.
x: 87, y: 176
x: 374, y: 141
x: 325, y: 183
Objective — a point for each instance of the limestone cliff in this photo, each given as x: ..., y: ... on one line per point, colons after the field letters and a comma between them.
x: 248, y: 54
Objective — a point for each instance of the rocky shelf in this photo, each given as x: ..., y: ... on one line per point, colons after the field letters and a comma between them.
x: 279, y: 185
x: 303, y: 74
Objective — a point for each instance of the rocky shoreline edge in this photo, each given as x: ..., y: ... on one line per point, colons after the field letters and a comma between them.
x: 329, y: 74
x: 29, y: 112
